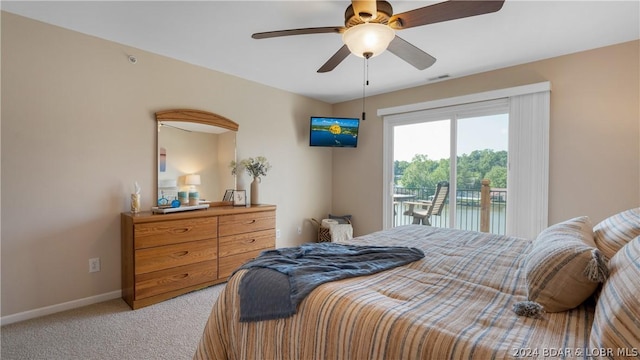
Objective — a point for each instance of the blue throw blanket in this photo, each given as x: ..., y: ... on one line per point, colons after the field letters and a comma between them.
x: 279, y: 279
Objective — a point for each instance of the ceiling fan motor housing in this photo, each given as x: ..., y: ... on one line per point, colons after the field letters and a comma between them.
x: 384, y: 13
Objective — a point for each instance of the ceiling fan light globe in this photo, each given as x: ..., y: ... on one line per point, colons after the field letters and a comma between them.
x: 368, y: 38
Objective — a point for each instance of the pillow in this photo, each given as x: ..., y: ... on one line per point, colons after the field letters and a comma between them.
x: 616, y: 324
x: 613, y: 233
x: 564, y: 266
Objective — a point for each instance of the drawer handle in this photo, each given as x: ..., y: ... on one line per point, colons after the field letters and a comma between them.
x: 181, y: 230
x: 181, y: 253
x: 252, y: 221
x: 181, y: 276
x: 252, y: 241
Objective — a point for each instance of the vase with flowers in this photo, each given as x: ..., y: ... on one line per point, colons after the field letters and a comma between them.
x: 256, y: 168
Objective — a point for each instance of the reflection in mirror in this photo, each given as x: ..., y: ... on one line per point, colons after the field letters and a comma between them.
x: 193, y: 142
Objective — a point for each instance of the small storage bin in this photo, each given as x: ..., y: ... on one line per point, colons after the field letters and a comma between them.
x: 324, y: 233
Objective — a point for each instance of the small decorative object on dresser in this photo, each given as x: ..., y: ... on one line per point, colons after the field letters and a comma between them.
x: 228, y: 195
x: 255, y: 191
x: 194, y: 198
x: 240, y: 198
x: 135, y: 203
x: 135, y: 199
x: 183, y: 196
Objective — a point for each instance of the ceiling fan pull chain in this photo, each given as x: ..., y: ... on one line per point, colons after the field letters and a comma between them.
x: 365, y: 83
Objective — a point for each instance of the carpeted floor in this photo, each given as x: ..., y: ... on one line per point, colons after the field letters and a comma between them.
x: 111, y: 330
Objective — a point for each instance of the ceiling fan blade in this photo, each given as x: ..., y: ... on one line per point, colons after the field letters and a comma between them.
x: 444, y: 11
x: 366, y: 10
x: 304, y: 31
x: 410, y: 53
x: 335, y: 59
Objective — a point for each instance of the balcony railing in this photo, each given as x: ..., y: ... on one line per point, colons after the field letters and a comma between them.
x: 468, y: 209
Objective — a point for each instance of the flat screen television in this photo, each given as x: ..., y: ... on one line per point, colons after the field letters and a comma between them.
x: 333, y: 131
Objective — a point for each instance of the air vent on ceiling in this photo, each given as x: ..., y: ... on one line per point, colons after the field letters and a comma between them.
x: 439, y: 77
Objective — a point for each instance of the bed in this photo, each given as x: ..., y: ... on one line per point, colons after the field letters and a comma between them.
x: 458, y: 302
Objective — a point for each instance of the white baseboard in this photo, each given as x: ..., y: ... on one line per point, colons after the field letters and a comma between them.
x: 52, y: 309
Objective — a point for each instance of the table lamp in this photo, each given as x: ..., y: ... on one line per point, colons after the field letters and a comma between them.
x: 192, y: 180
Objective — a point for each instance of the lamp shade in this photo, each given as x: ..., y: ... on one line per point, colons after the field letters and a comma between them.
x: 192, y: 180
x: 368, y: 38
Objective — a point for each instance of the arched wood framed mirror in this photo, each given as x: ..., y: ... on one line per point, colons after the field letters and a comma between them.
x: 194, y: 142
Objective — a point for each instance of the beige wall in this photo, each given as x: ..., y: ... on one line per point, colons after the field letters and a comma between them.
x: 594, y: 134
x: 78, y: 130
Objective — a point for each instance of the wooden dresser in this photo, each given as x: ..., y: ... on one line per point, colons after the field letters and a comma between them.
x: 166, y: 255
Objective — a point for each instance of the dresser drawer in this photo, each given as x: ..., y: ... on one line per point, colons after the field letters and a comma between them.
x: 168, y: 256
x: 174, y: 231
x: 244, y: 223
x: 236, y: 244
x: 230, y: 263
x: 163, y: 281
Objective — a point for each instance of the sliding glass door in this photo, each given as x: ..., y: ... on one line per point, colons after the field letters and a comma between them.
x: 421, y: 156
x: 481, y: 154
x: 519, y: 115
x: 460, y: 145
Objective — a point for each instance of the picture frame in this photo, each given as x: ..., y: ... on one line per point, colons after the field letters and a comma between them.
x: 240, y: 198
x: 228, y: 195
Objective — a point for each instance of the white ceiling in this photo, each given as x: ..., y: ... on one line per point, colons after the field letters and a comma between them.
x: 217, y: 35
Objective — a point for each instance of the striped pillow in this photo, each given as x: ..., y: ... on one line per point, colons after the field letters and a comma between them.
x: 564, y: 265
x: 617, y: 319
x: 613, y: 233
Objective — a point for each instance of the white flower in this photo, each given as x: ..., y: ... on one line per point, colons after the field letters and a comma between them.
x: 255, y: 167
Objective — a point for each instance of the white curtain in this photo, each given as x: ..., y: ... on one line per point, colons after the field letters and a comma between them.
x: 528, y: 174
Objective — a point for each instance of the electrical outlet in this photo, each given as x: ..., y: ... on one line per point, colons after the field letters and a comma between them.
x: 94, y: 265
x: 299, y: 230
x: 277, y: 233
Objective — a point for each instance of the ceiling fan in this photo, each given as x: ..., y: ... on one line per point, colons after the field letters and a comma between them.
x: 370, y: 26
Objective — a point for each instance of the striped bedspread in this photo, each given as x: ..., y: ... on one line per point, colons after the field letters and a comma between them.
x: 455, y: 303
